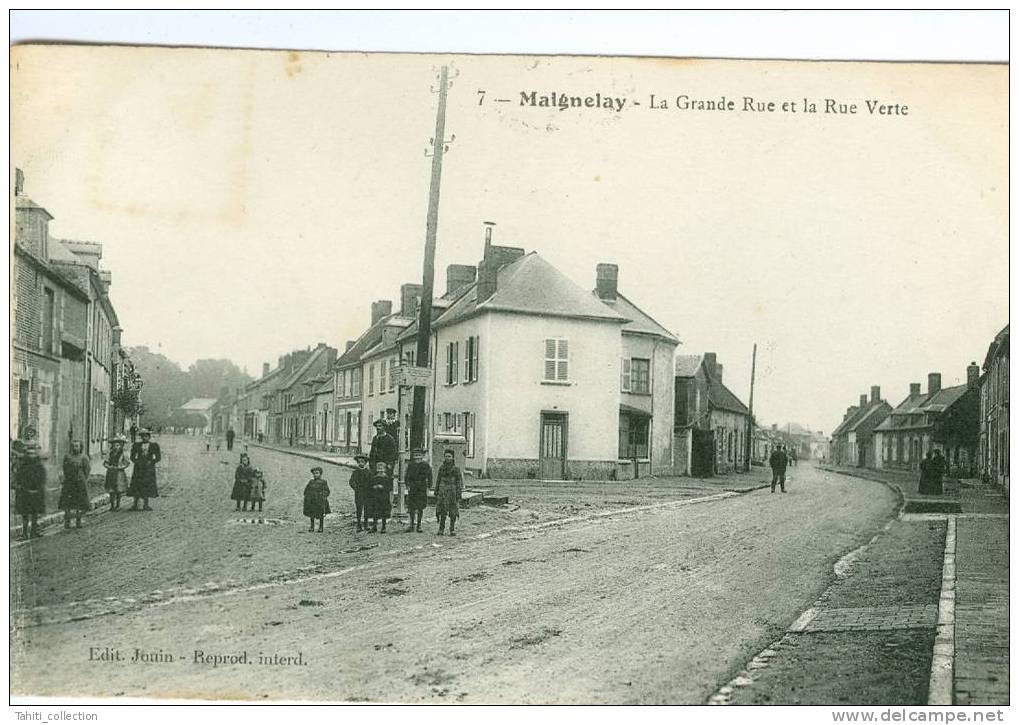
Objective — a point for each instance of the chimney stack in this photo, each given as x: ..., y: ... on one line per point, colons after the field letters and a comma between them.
x: 607, y: 281
x: 488, y: 271
x: 19, y: 182
x: 410, y: 296
x: 459, y: 276
x: 718, y: 372
x: 489, y: 228
x: 710, y: 364
x: 350, y: 344
x: 875, y: 393
x: 265, y: 369
x: 914, y: 389
x: 933, y: 383
x: 973, y: 376
x: 380, y: 309
x: 774, y: 427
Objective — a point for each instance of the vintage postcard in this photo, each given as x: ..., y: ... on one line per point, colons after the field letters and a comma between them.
x: 396, y: 378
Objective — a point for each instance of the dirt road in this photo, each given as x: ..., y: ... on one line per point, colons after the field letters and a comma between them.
x: 656, y: 606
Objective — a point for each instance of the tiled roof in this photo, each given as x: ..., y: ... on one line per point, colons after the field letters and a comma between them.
x: 23, y: 202
x: 687, y: 365
x: 530, y: 285
x: 370, y: 338
x: 639, y: 321
x: 873, y: 415
x: 846, y: 424
x: 302, y: 371
x: 723, y: 398
x: 944, y: 398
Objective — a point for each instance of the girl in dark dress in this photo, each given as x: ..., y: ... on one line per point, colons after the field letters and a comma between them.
x: 449, y: 486
x: 73, y: 486
x: 419, y: 480
x: 30, y: 491
x: 116, y: 464
x: 242, y: 483
x: 316, y: 498
x: 380, y: 497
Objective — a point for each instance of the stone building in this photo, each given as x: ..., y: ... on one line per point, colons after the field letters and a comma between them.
x: 853, y: 440
x: 994, y: 412
x: 711, y: 423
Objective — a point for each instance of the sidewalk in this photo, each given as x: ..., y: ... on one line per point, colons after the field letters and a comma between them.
x: 973, y: 616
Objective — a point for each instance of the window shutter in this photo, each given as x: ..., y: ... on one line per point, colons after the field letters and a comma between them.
x: 625, y: 376
x: 563, y: 362
x: 456, y: 359
x: 466, y: 374
x: 474, y: 368
x: 449, y: 363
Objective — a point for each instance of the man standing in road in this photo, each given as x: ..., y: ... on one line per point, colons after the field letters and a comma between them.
x: 230, y: 435
x: 383, y: 448
x: 778, y: 462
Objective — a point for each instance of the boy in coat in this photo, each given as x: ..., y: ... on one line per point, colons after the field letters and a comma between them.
x: 380, y: 500
x: 419, y: 480
x: 361, y: 482
x: 449, y: 486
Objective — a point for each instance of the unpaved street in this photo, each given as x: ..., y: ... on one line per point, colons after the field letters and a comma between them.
x: 656, y: 606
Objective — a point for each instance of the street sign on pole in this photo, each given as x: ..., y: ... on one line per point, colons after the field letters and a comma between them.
x: 409, y: 376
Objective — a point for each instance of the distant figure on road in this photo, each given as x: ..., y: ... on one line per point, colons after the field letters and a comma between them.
x: 380, y: 497
x: 134, y: 433
x: 793, y: 456
x: 383, y: 448
x: 74, y: 485
x: 230, y: 435
x: 258, y: 487
x: 145, y: 455
x: 361, y: 483
x: 778, y: 462
x: 449, y: 484
x: 242, y: 483
x: 316, y: 498
x: 30, y: 489
x: 928, y: 472
x: 116, y: 464
x: 940, y: 469
x: 419, y: 480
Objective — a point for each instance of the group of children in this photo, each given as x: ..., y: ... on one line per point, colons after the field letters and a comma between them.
x: 373, y: 492
x: 249, y: 485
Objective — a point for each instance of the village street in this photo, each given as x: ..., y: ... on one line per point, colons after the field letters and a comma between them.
x: 659, y: 605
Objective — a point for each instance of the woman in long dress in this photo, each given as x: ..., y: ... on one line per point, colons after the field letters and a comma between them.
x: 74, y: 485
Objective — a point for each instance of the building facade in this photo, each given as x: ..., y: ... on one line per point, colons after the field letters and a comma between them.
x: 994, y: 412
x: 711, y: 423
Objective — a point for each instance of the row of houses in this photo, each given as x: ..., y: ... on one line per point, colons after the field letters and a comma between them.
x: 968, y: 423
x: 529, y: 373
x: 67, y: 360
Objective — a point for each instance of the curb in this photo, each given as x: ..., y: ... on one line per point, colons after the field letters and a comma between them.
x: 894, y: 488
x: 47, y: 520
x: 302, y: 454
x: 941, y: 689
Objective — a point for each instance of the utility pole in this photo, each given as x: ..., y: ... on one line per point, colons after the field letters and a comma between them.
x: 750, y: 420
x: 417, y: 425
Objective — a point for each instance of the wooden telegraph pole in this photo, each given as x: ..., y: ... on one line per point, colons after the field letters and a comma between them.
x: 750, y: 420
x: 417, y: 425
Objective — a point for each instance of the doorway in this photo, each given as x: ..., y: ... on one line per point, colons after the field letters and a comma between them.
x: 552, y: 458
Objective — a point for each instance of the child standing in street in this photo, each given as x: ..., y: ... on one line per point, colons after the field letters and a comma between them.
x: 257, y: 491
x: 242, y: 482
x: 380, y: 499
x: 361, y: 482
x: 316, y: 498
x: 116, y: 464
x: 419, y: 480
x: 30, y: 489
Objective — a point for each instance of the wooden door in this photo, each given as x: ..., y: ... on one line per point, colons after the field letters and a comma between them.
x: 552, y: 458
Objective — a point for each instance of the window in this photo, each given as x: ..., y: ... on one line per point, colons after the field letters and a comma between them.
x: 452, y: 355
x: 392, y: 382
x: 408, y: 357
x: 624, y: 377
x: 355, y: 382
x: 48, y: 305
x: 640, y: 375
x: 371, y: 379
x: 557, y: 366
x: 633, y: 433
x: 382, y: 376
x: 448, y: 421
x: 470, y: 371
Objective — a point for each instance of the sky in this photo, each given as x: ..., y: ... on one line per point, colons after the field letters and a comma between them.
x: 253, y: 202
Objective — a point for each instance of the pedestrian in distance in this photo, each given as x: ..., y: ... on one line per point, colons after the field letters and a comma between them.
x: 793, y: 456
x: 361, y: 483
x: 116, y: 464
x: 778, y: 462
x: 241, y: 491
x: 258, y: 489
x: 144, y: 455
x: 380, y: 498
x: 30, y: 489
x: 219, y: 443
x: 449, y: 485
x: 383, y: 447
x: 230, y: 435
x: 208, y: 442
x: 316, y: 499
x: 419, y: 480
x: 74, y: 485
x: 938, y: 473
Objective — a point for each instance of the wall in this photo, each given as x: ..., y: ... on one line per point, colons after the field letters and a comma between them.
x: 660, y: 402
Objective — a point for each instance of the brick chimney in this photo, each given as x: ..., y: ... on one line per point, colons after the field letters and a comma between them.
x: 718, y: 372
x: 973, y: 376
x: 875, y: 393
x: 495, y: 258
x: 850, y: 411
x: 933, y: 383
x: 410, y: 296
x: 914, y: 389
x: 863, y: 401
x: 265, y: 369
x: 710, y: 364
x: 459, y: 276
x: 607, y: 281
x: 350, y: 344
x: 380, y: 309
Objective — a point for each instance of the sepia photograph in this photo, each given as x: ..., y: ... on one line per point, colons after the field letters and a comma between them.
x: 523, y: 379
